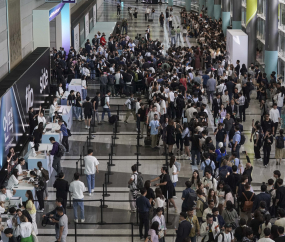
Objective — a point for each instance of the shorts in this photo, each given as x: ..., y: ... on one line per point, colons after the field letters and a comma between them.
x: 184, y: 35
x: 186, y: 141
x: 87, y: 115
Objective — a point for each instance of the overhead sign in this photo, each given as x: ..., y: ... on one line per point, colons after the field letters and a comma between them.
x: 55, y: 11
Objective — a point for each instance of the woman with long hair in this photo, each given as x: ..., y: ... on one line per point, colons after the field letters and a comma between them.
x: 159, y: 201
x: 212, y: 196
x: 161, y: 221
x: 256, y: 222
x: 38, y: 133
x: 30, y: 206
x: 24, y: 230
x: 265, y: 225
x: 240, y: 230
x: 229, y: 213
x: 149, y: 191
x: 195, y: 179
x: 174, y: 173
x: 170, y: 140
x: 79, y: 106
x: 13, y: 180
x: 279, y: 151
x: 40, y: 174
x: 228, y: 194
x: 221, y: 195
x: 153, y: 232
x: 186, y: 138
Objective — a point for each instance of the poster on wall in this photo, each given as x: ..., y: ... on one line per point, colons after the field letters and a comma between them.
x: 76, y: 37
x: 30, y: 90
x: 94, y: 14
x: 86, y: 25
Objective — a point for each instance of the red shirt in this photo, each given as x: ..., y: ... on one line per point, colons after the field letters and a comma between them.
x: 102, y: 41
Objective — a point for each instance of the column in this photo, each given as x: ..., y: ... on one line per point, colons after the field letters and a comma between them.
x: 226, y: 15
x: 65, y: 26
x: 201, y: 4
x: 217, y: 9
x: 210, y: 6
x: 188, y: 5
x: 251, y: 22
x: 271, y: 36
x: 236, y: 23
x: 170, y: 2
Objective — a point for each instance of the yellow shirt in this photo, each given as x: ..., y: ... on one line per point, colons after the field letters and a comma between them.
x: 31, y: 207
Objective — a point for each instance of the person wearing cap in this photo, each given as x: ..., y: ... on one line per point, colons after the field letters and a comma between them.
x: 227, y: 235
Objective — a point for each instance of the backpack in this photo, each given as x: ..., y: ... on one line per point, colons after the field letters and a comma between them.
x: 191, y: 200
x: 61, y: 151
x: 180, y: 102
x: 103, y: 101
x: 205, y: 205
x: 110, y: 79
x: 242, y: 139
x: 140, y: 76
x: 247, y: 207
x: 208, y: 168
x: 222, y: 174
x: 45, y: 174
x: 279, y: 142
x: 223, y: 239
x: 140, y: 182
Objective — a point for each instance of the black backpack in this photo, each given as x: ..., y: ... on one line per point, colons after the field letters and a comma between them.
x: 222, y: 174
x: 110, y: 79
x: 205, y: 205
x: 103, y: 101
x: 45, y: 174
x: 140, y: 76
x: 280, y: 142
x: 242, y: 139
x: 61, y: 151
x: 191, y: 200
x: 222, y: 233
x: 208, y: 168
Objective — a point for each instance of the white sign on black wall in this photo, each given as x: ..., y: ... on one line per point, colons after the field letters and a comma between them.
x: 86, y: 25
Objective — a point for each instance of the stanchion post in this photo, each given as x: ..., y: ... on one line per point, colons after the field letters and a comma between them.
x: 81, y: 165
x: 69, y: 207
x: 132, y: 232
x: 105, y: 187
x: 137, y: 213
x: 101, y: 212
x: 109, y: 173
x: 77, y: 166
x: 167, y: 208
x: 118, y: 114
x: 75, y: 233
x: 103, y: 205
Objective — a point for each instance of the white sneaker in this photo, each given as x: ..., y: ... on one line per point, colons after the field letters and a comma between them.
x: 175, y: 197
x: 76, y: 220
x: 90, y: 194
x: 82, y: 220
x: 86, y: 127
x: 92, y: 190
x: 188, y: 158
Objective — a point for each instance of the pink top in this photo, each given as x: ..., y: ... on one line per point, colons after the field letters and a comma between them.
x: 153, y: 235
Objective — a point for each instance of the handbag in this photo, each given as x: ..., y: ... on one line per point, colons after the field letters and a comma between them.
x: 161, y: 234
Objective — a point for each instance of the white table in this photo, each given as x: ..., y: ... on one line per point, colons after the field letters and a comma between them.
x: 66, y: 113
x: 44, y: 158
x: 76, y: 85
x: 51, y: 133
x: 22, y: 188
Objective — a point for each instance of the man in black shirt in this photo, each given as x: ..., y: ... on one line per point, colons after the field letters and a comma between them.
x: 95, y: 104
x: 234, y: 179
x: 195, y: 148
x: 246, y: 195
x: 62, y: 189
x: 72, y: 102
x: 141, y: 119
x: 280, y: 194
x: 267, y: 123
x: 221, y: 135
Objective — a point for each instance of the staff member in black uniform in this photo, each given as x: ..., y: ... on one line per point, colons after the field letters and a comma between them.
x: 32, y: 121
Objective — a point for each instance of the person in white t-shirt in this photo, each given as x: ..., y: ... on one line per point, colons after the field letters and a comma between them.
x: 267, y: 233
x: 91, y: 167
x: 77, y: 188
x: 227, y: 235
x: 106, y: 107
x: 13, y: 180
x: 274, y: 115
x: 42, y: 119
x: 21, y: 162
x: 173, y: 173
x: 132, y: 184
x: 6, y: 194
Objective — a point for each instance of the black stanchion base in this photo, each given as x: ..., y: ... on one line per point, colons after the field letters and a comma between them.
x: 116, y: 138
x: 109, y: 183
x: 138, y: 164
x: 137, y: 153
x: 106, y: 195
x: 99, y: 124
x: 101, y: 223
x: 103, y: 206
x: 111, y: 164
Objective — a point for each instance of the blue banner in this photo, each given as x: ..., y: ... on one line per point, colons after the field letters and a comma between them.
x: 55, y: 11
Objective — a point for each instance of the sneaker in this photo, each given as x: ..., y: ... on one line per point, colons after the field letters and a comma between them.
x: 82, y: 220
x: 75, y: 220
x: 265, y: 166
x: 92, y: 190
x: 86, y: 127
x: 175, y: 197
x: 90, y: 194
x: 133, y: 211
x: 188, y: 158
x: 40, y: 210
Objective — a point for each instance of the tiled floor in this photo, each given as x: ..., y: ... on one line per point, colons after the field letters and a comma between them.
x: 124, y: 158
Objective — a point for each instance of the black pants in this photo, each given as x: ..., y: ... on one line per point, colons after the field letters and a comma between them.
x: 179, y: 140
x: 179, y: 113
x: 257, y: 151
x: 40, y: 196
x: 65, y: 143
x: 275, y: 125
x: 171, y: 110
x: 64, y: 202
x: 118, y: 12
x: 266, y: 151
x: 170, y: 24
x: 242, y: 112
x: 215, y: 116
x: 144, y: 221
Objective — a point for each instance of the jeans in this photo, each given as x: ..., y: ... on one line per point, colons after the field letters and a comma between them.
x: 210, y: 95
x: 124, y: 28
x: 144, y: 221
x: 111, y: 88
x: 95, y: 113
x: 132, y: 201
x: 103, y: 89
x: 173, y: 40
x: 193, y: 153
x: 171, y: 110
x: 279, y: 109
x: 104, y: 111
x: 84, y: 94
x: 178, y: 37
x: 79, y: 112
x: 56, y: 164
x: 78, y: 202
x: 65, y: 143
x: 266, y: 151
x: 92, y: 74
x: 242, y: 112
x: 90, y: 182
x: 74, y: 113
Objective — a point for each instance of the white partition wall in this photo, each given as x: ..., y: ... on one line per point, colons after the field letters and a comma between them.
x: 41, y: 30
x: 237, y: 46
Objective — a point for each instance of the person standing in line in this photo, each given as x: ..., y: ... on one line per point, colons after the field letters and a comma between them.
x: 143, y: 206
x: 106, y: 107
x: 152, y: 13
x: 154, y: 126
x: 195, y: 226
x: 161, y: 19
x: 275, y: 117
x: 130, y: 102
x: 147, y: 12
x: 209, y: 229
x: 71, y: 101
x: 87, y: 112
x: 63, y: 130
x: 211, y: 88
x: 170, y: 21
x: 77, y: 188
x: 118, y: 9
x: 178, y: 30
x: 62, y: 188
x: 236, y: 140
x: 184, y: 228
x: 30, y: 206
x: 62, y: 224
x: 95, y: 105
x: 132, y: 184
x: 173, y: 33
x: 267, y: 142
x: 91, y: 167
x: 227, y: 235
x: 56, y: 159
x: 141, y: 119
x: 241, y: 107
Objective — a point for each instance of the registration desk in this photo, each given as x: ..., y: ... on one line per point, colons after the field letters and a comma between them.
x: 50, y: 132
